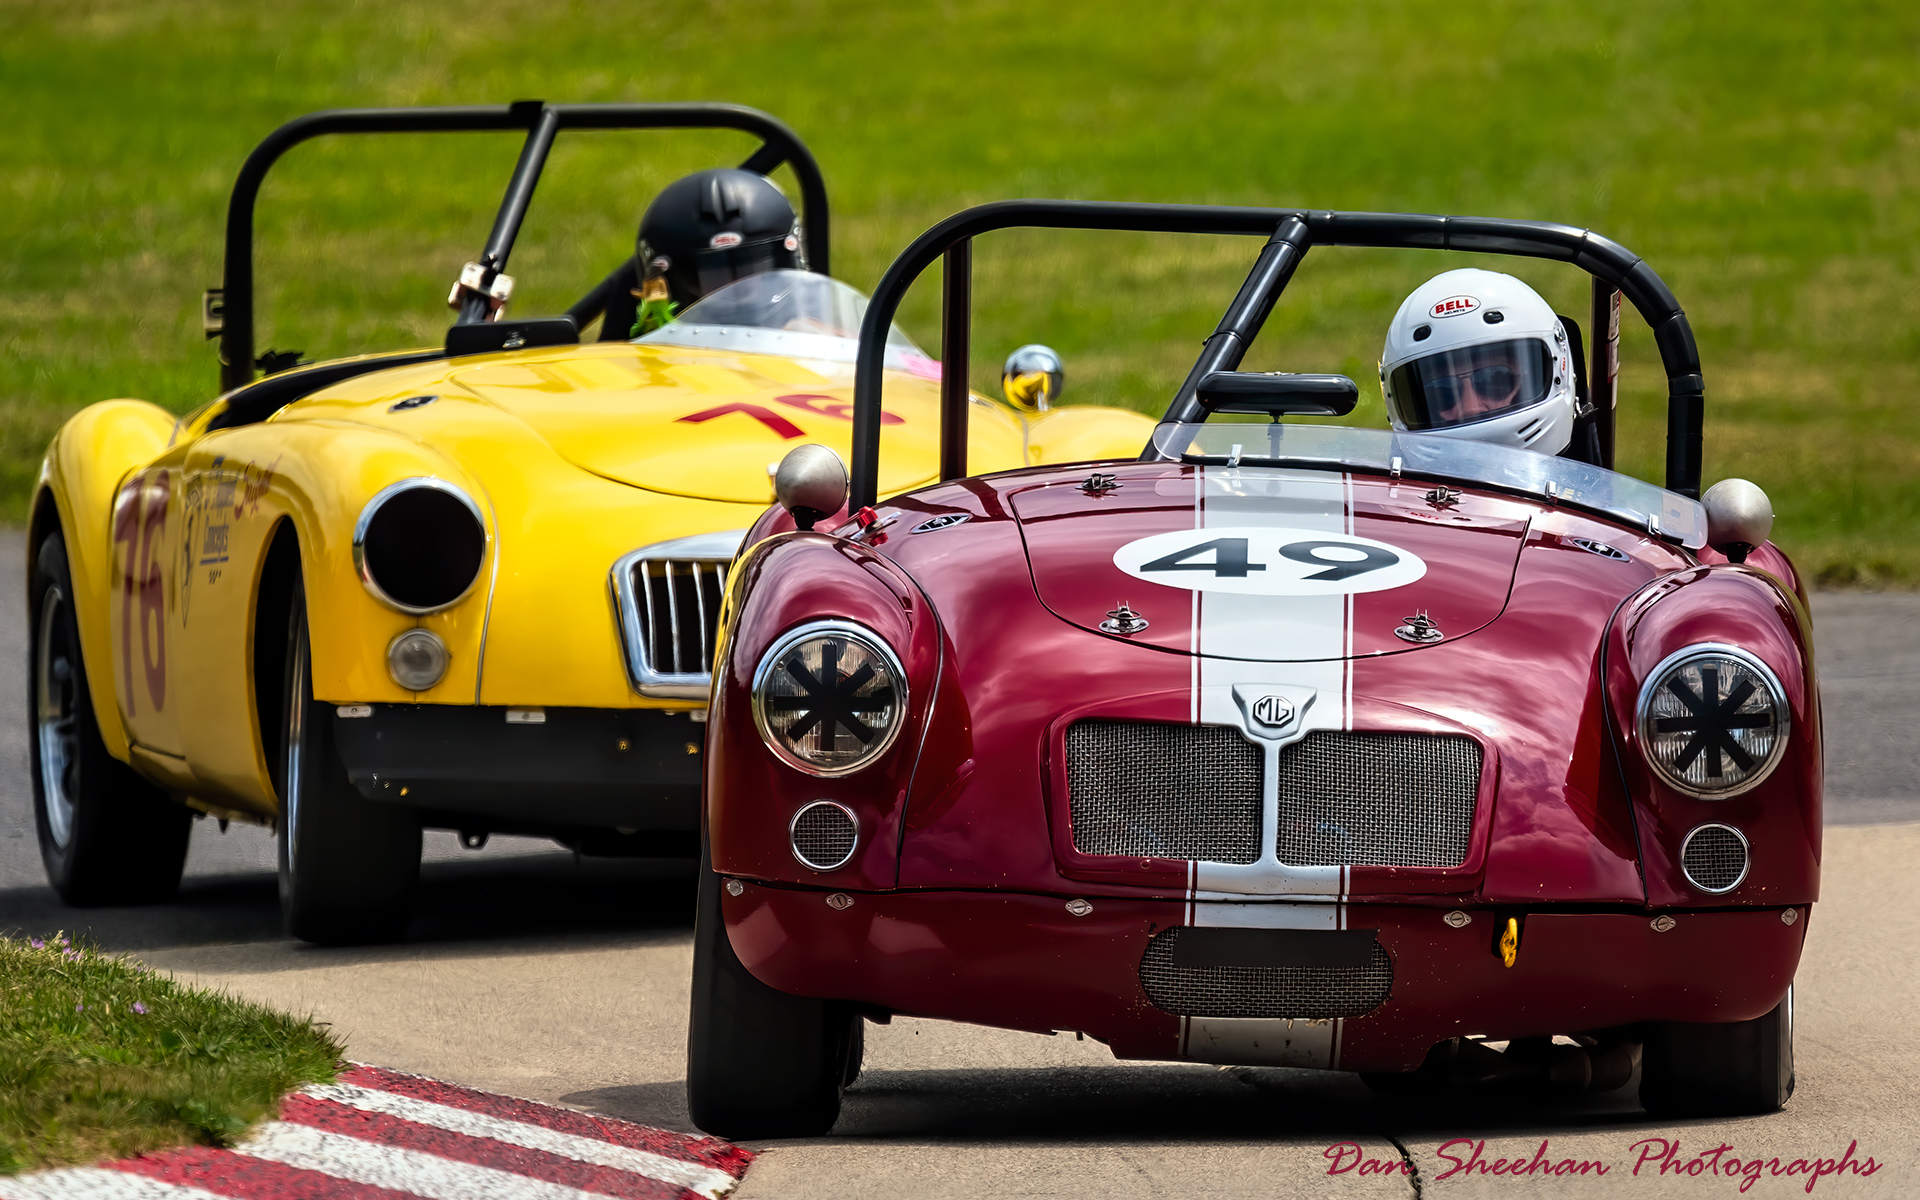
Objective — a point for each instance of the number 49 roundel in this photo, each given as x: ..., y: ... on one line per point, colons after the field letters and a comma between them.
x: 1269, y: 561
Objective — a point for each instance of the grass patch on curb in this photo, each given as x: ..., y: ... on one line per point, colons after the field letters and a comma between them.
x: 101, y: 1059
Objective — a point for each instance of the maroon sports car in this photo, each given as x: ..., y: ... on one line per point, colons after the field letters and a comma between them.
x: 1284, y: 744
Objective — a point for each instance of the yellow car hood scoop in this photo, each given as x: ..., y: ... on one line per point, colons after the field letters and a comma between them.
x: 699, y: 423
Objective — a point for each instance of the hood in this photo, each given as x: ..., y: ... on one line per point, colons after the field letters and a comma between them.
x: 1268, y: 564
x: 708, y: 424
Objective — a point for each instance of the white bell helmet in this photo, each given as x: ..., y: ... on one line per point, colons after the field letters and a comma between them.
x: 1477, y: 354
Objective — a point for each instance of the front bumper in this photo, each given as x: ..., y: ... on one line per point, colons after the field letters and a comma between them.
x: 573, y: 768
x: 1026, y: 962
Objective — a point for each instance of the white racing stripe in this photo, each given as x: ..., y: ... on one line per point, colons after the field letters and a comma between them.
x: 1310, y: 632
x: 693, y: 1176
x: 1314, y: 635
x: 96, y: 1183
x: 413, y: 1171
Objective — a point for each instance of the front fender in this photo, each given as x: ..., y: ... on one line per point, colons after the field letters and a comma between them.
x: 751, y: 794
x: 319, y: 476
x: 1780, y: 816
x: 83, y: 468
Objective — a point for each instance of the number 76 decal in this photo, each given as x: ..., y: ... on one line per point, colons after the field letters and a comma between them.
x: 1269, y: 561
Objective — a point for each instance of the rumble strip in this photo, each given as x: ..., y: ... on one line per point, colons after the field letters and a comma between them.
x: 379, y: 1133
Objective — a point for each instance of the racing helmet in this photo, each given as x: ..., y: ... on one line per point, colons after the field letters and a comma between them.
x: 711, y: 228
x: 1477, y: 354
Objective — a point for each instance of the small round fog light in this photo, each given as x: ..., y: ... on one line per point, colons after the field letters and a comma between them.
x: 417, y: 659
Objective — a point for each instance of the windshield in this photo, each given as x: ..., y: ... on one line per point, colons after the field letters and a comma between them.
x: 796, y: 314
x: 1426, y: 456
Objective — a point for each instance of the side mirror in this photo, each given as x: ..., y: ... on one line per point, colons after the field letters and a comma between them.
x: 810, y: 483
x: 1739, y: 517
x: 1278, y: 394
x: 1033, y: 378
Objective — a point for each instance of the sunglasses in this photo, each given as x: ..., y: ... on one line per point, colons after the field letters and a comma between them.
x: 1496, y: 383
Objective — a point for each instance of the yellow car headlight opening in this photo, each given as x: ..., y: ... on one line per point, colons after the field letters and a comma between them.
x: 419, y: 545
x: 829, y: 697
x: 417, y: 659
x: 1713, y: 720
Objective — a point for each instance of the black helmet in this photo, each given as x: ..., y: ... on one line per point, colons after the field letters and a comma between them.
x: 714, y: 227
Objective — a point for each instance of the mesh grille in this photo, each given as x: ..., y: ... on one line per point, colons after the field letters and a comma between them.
x: 1715, y: 858
x: 1377, y: 799
x: 823, y: 836
x: 1303, y: 992
x: 679, y: 603
x: 1164, y: 791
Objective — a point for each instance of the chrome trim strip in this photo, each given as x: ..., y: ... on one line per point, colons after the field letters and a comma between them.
x: 700, y: 603
x: 673, y: 613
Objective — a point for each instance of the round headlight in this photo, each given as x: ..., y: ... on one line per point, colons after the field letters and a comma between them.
x: 1713, y: 720
x: 829, y: 697
x: 417, y: 659
x: 419, y: 545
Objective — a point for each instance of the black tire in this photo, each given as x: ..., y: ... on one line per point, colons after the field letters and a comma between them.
x: 349, y: 867
x: 1733, y: 1069
x: 107, y: 836
x: 760, y: 1063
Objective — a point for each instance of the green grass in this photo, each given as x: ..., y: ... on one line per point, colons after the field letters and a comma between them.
x: 1765, y: 157
x: 100, y: 1059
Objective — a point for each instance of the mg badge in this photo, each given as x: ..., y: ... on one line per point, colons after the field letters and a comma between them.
x: 1273, y: 710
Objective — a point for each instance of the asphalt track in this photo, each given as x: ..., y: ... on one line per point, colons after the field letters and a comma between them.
x: 534, y: 974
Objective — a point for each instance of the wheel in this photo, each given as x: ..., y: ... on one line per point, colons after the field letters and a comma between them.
x: 760, y: 1063
x: 348, y: 866
x: 107, y: 836
x: 1701, y: 1070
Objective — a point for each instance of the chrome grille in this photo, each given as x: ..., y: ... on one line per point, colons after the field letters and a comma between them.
x: 1164, y: 791
x: 824, y: 835
x: 1302, y: 992
x: 679, y: 612
x: 1714, y: 858
x: 1377, y: 799
x: 667, y: 599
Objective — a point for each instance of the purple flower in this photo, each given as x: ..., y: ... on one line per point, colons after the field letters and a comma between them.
x: 37, y: 944
x: 139, y: 1008
x: 79, y: 1007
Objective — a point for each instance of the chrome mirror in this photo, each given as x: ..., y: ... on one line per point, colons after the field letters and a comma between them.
x: 810, y: 483
x: 1739, y: 517
x: 1033, y: 378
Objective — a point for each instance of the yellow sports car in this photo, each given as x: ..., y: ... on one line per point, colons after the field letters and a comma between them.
x: 473, y: 587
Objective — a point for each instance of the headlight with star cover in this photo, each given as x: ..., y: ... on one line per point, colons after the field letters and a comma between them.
x: 829, y: 697
x: 1713, y: 720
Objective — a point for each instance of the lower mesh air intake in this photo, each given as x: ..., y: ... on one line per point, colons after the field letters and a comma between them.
x: 1714, y: 858
x: 1300, y: 992
x: 824, y: 836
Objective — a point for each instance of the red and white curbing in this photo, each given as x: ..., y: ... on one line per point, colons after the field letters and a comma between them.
x: 381, y: 1134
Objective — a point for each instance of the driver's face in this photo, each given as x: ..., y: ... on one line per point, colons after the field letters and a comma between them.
x: 1485, y: 389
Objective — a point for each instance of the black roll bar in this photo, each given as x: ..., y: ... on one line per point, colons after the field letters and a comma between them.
x: 230, y: 311
x: 1289, y: 233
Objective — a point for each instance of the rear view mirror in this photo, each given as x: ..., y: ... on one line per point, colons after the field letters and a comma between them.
x: 1033, y: 378
x: 1278, y: 394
